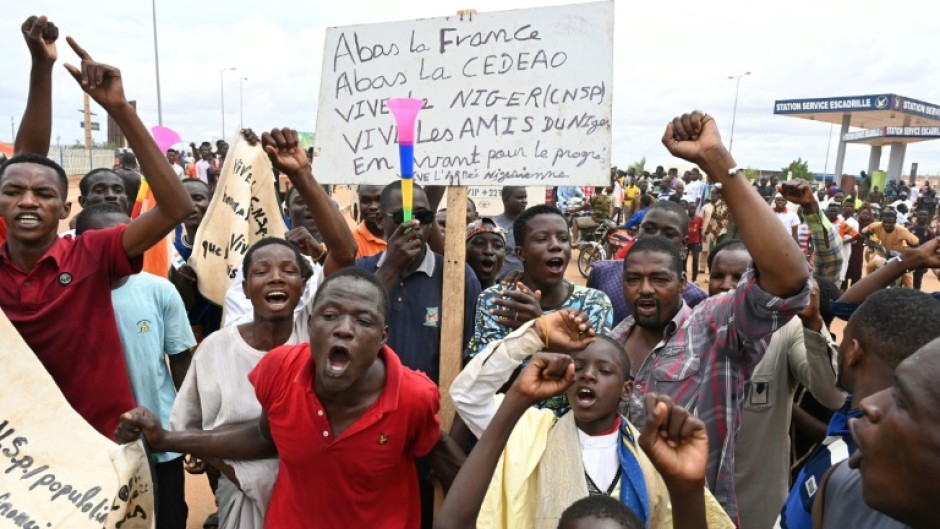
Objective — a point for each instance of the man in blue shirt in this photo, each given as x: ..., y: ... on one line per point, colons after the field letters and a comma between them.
x: 413, y: 276
x: 566, y: 193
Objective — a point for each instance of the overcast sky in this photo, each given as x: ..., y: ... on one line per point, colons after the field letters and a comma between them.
x: 670, y: 57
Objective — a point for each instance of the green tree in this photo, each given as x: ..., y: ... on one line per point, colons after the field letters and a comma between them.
x: 752, y: 173
x: 798, y: 168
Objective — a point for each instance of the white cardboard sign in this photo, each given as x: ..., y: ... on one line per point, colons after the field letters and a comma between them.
x: 511, y: 98
x: 56, y: 471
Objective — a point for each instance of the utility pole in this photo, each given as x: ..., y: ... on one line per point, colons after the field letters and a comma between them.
x: 734, y: 113
x: 222, y: 89
x: 87, y: 111
x: 156, y: 62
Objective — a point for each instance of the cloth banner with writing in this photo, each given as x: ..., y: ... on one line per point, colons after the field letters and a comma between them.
x: 56, y: 471
x: 244, y: 210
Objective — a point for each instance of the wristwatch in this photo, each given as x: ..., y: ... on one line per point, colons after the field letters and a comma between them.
x: 734, y: 171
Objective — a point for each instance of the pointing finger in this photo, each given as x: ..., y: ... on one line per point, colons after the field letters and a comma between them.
x: 74, y: 72
x: 78, y: 49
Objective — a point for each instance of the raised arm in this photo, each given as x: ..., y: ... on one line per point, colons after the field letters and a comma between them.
x: 677, y: 445
x: 827, y: 255
x: 546, y: 376
x: 783, y: 272
x: 250, y: 440
x: 925, y: 256
x: 103, y: 83
x: 36, y: 125
x: 808, y: 355
x: 286, y: 154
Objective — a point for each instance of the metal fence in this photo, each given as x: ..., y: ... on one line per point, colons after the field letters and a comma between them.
x: 79, y: 160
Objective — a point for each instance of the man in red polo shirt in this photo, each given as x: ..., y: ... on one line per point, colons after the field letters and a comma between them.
x: 57, y: 291
x: 345, y: 417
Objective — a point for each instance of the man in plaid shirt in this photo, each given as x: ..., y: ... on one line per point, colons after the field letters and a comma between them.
x: 702, y: 358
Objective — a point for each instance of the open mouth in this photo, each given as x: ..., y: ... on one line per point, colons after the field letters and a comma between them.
x: 585, y: 397
x: 337, y: 361
x: 277, y: 299
x: 28, y: 220
x: 487, y: 265
x: 555, y: 265
x: 646, y: 307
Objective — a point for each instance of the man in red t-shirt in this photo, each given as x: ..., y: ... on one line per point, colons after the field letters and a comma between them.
x: 345, y: 417
x: 57, y: 291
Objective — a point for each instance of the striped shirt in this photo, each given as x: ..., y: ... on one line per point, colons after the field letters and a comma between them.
x: 827, y: 246
x: 703, y: 361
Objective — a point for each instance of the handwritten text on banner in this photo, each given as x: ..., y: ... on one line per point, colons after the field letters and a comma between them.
x: 56, y: 471
x: 517, y: 97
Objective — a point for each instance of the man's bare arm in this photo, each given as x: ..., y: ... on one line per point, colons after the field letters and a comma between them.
x: 36, y: 125
x: 103, y: 83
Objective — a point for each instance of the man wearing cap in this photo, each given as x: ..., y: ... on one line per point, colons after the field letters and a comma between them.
x: 486, y: 250
x: 789, y: 219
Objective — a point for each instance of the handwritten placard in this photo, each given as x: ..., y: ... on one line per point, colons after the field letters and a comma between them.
x: 56, y: 471
x: 516, y: 97
x: 244, y: 209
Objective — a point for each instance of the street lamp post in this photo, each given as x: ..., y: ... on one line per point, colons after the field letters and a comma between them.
x: 734, y: 114
x: 241, y: 107
x: 156, y: 62
x: 222, y: 85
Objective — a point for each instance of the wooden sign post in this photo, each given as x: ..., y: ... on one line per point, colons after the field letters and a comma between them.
x: 452, y: 332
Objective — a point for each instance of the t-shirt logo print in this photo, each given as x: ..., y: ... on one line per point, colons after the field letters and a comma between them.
x: 65, y: 278
x: 432, y: 317
x: 143, y: 326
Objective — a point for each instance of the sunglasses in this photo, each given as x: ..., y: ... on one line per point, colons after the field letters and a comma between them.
x: 424, y: 216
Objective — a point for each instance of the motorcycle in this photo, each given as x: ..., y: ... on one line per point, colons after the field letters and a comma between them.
x: 608, y: 238
x: 575, y: 208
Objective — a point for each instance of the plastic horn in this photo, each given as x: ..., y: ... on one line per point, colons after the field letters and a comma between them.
x: 405, y: 111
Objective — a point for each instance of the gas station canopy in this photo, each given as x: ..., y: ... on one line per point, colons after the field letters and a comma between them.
x: 888, y: 135
x: 886, y: 119
x: 867, y: 112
